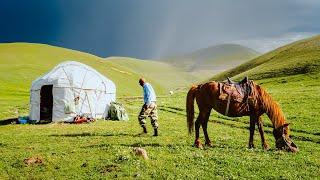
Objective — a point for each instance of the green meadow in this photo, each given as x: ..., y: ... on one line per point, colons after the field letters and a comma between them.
x: 103, y: 149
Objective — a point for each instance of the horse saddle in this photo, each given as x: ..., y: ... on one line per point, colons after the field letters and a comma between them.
x: 235, y: 91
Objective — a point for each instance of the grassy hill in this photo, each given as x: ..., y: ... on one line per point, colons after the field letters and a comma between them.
x: 168, y: 76
x: 21, y: 63
x: 213, y: 59
x: 296, y: 58
x: 103, y: 149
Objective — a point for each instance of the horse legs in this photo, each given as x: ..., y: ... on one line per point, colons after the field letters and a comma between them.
x: 204, y: 127
x: 265, y: 145
x: 202, y: 120
x: 252, y: 127
x: 197, y: 142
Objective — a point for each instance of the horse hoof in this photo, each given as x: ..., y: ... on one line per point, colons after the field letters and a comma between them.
x: 198, y: 144
x: 266, y: 147
x: 251, y: 146
x: 209, y: 144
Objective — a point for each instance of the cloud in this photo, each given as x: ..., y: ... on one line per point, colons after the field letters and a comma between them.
x: 264, y: 24
x: 155, y: 29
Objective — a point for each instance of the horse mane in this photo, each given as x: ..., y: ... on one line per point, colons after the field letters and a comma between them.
x: 271, y: 107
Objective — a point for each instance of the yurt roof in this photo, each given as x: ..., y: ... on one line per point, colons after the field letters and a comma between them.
x: 72, y: 74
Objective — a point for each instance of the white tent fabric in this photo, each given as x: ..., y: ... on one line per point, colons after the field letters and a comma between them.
x: 77, y: 89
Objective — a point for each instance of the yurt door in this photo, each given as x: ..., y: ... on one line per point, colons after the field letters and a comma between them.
x: 46, y: 102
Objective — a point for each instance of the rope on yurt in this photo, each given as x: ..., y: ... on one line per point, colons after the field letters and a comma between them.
x: 89, y: 104
x: 71, y: 86
x: 81, y: 88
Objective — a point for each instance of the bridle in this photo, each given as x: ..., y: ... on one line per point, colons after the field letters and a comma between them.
x: 284, y: 142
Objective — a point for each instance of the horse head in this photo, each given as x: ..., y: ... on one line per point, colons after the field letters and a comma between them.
x: 283, y: 141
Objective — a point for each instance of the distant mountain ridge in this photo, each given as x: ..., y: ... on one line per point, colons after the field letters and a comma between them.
x: 299, y: 57
x: 213, y: 59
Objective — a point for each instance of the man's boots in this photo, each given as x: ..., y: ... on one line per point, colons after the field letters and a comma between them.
x: 144, y: 129
x: 155, y: 132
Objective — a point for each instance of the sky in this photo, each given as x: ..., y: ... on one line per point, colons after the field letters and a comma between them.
x: 154, y: 29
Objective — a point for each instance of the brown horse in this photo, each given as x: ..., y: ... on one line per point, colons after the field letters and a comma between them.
x: 258, y: 102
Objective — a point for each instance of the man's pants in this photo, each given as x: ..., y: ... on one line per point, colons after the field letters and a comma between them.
x: 150, y: 111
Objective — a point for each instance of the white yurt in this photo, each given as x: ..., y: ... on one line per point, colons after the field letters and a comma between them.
x: 70, y: 89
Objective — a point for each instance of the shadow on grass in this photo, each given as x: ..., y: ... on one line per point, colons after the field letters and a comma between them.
x: 4, y: 122
x: 309, y: 139
x: 224, y: 121
x: 100, y: 146
x: 176, y: 108
x: 295, y: 137
x: 170, y: 111
x: 306, y: 132
x: 104, y: 146
x: 91, y: 134
x: 140, y: 144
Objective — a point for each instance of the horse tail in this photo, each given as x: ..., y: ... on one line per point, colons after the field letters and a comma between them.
x: 190, y: 107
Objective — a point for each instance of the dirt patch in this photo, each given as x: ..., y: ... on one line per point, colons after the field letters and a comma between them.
x: 29, y: 148
x: 85, y: 164
x: 33, y: 161
x: 110, y: 168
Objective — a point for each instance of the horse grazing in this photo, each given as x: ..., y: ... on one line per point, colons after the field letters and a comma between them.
x: 232, y: 99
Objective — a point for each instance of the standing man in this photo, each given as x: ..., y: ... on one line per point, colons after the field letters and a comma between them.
x: 149, y: 108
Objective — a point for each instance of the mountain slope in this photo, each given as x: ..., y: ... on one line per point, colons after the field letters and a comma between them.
x: 296, y: 58
x: 21, y: 63
x: 166, y: 75
x: 213, y: 59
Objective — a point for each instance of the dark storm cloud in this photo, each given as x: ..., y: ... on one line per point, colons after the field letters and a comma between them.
x: 31, y: 21
x: 154, y: 29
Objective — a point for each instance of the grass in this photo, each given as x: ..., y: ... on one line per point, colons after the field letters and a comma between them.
x: 102, y: 150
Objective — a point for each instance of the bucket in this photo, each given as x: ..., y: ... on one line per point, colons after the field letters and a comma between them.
x: 23, y: 120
